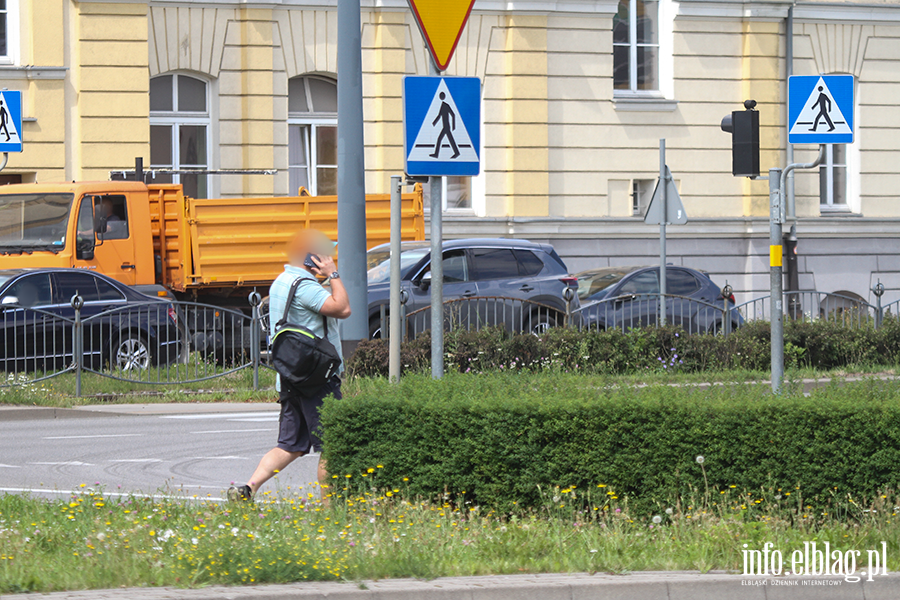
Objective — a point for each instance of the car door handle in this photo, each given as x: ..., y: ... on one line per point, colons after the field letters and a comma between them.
x: 126, y: 266
x: 526, y: 288
x: 468, y: 294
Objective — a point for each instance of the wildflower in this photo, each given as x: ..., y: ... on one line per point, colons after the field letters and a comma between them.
x: 700, y: 460
x: 669, y: 511
x: 656, y: 519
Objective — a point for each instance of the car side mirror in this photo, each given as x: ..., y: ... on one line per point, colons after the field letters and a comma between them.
x: 84, y: 249
x: 10, y: 300
x: 425, y: 281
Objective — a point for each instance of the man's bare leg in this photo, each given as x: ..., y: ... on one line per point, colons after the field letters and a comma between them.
x: 274, y: 460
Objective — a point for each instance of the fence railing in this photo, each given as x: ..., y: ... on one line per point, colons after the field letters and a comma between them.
x: 811, y: 305
x: 643, y: 310
x: 515, y: 315
x: 160, y: 342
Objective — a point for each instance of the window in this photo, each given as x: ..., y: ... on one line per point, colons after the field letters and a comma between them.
x: 636, y: 46
x: 833, y: 178
x: 9, y: 31
x: 642, y: 283
x: 456, y: 267
x: 107, y: 291
x: 680, y: 283
x: 529, y: 264
x: 312, y: 135
x: 69, y: 284
x: 179, y: 130
x: 31, y: 291
x: 641, y: 193
x: 456, y: 193
x: 114, y: 210
x: 495, y: 263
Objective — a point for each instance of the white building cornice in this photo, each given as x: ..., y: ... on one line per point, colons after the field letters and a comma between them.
x: 549, y: 7
x: 842, y: 12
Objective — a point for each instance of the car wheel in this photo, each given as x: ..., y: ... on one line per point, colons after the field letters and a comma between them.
x: 131, y: 352
x: 541, y: 323
x: 375, y: 329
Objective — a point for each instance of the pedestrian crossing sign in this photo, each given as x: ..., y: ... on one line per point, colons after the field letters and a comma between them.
x: 820, y: 109
x: 442, y: 126
x: 10, y: 121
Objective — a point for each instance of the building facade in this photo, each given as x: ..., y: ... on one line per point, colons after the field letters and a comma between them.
x: 576, y: 96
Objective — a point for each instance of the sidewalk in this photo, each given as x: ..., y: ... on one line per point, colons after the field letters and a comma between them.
x: 579, y: 586
x: 29, y: 413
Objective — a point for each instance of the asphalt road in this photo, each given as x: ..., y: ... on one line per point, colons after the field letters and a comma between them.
x: 184, y: 454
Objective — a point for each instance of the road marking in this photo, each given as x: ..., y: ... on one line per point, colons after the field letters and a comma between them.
x: 256, y: 419
x: 112, y: 494
x: 70, y: 463
x: 217, y: 458
x: 2, y: 466
x: 90, y: 437
x: 224, y: 415
x: 232, y: 431
x: 135, y: 460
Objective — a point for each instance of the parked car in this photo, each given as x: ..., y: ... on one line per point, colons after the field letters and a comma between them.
x: 512, y: 283
x: 122, y: 327
x: 625, y: 297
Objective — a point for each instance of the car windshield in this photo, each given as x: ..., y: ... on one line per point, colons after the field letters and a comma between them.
x: 592, y: 282
x: 34, y: 221
x: 379, y: 262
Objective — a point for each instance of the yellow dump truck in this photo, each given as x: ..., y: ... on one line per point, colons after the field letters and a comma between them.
x: 156, y: 239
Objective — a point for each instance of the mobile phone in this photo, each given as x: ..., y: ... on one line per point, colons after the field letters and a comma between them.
x: 308, y: 262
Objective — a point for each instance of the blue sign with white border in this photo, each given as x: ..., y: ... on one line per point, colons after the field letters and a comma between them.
x: 442, y: 126
x: 820, y: 109
x: 10, y: 121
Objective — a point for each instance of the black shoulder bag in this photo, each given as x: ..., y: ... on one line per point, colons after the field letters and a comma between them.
x: 299, y: 355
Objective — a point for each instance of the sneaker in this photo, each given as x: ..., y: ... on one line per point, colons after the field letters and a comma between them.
x: 239, y: 494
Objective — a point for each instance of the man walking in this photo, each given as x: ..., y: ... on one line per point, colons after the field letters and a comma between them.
x: 824, y: 104
x: 310, y: 253
x: 445, y: 115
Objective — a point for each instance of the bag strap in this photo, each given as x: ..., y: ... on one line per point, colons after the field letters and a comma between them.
x: 290, y: 300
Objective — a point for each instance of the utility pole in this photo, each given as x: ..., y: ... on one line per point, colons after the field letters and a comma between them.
x: 663, y: 184
x: 351, y: 173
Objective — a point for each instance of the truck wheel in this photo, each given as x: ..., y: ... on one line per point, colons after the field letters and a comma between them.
x: 131, y: 352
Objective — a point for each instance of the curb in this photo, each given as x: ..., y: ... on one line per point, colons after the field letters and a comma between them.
x: 579, y: 586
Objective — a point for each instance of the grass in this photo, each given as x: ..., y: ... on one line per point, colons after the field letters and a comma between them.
x: 237, y: 386
x: 91, y: 540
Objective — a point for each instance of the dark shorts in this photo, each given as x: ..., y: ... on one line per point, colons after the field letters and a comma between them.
x: 298, y: 423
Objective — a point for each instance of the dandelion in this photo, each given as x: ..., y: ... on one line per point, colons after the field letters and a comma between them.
x: 669, y: 511
x: 656, y: 519
x: 700, y: 460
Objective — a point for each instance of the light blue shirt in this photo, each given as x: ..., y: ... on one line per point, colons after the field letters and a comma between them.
x: 305, y: 308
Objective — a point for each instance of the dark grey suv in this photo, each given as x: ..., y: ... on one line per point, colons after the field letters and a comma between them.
x: 483, y: 270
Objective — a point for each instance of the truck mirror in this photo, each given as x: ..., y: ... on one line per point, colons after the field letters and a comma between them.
x: 84, y: 248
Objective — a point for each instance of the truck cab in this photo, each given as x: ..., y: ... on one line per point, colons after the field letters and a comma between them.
x: 102, y: 226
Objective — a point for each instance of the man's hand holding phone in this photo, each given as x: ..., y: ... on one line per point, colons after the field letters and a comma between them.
x: 322, y: 265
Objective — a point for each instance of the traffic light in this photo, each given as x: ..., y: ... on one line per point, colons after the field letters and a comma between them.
x: 743, y: 125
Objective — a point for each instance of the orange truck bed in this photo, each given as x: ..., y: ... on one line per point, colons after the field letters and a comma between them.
x: 240, y: 241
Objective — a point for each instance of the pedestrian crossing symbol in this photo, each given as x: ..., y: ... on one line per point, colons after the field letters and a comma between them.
x: 442, y: 126
x: 10, y: 121
x: 820, y: 109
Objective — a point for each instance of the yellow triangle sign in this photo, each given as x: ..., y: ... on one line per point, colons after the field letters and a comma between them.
x: 442, y: 23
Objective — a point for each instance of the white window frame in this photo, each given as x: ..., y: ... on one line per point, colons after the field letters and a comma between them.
x: 665, y: 75
x: 311, y: 120
x: 176, y: 119
x: 12, y: 34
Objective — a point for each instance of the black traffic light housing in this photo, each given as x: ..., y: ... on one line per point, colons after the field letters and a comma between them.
x: 743, y: 125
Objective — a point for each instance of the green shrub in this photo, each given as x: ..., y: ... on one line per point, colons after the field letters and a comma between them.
x: 498, y: 438
x: 818, y: 344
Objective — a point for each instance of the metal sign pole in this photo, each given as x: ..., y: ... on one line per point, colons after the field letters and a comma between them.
x: 394, y: 315
x: 437, y: 272
x: 351, y: 173
x: 776, y: 308
x: 663, y: 184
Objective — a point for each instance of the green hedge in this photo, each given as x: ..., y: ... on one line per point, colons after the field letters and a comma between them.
x: 498, y: 437
x: 818, y: 344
